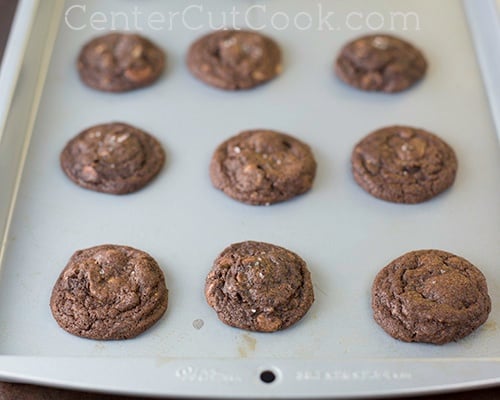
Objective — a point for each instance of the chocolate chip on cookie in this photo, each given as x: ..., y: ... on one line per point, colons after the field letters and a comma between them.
x: 234, y: 60
x: 109, y: 292
x: 112, y: 158
x: 259, y: 287
x: 119, y: 62
x: 403, y: 164
x: 262, y: 167
x: 430, y: 296
x: 380, y: 63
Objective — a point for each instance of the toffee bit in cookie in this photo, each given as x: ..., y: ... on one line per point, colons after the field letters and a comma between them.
x: 380, y: 42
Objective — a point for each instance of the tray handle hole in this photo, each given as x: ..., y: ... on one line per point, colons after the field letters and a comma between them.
x: 267, y: 376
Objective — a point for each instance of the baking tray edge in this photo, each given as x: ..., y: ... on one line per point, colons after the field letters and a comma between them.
x: 22, y: 80
x: 484, y: 24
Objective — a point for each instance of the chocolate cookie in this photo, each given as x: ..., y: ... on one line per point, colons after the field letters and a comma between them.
x: 259, y: 287
x: 234, y: 60
x: 430, y: 296
x: 403, y: 164
x: 262, y: 167
x: 113, y: 158
x: 109, y: 292
x: 380, y: 63
x: 119, y: 62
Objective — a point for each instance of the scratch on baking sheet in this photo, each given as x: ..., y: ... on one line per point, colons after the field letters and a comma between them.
x: 247, y: 346
x: 198, y: 323
x: 320, y: 290
x: 162, y: 360
x: 99, y: 347
x: 490, y: 326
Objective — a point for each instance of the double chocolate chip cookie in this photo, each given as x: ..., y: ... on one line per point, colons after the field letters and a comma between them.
x: 234, y: 60
x: 403, y: 164
x: 262, y: 167
x: 113, y: 158
x: 430, y: 296
x: 109, y: 292
x: 380, y: 63
x: 119, y: 62
x: 259, y: 287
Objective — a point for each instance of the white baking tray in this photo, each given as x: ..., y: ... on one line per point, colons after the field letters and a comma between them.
x: 346, y: 236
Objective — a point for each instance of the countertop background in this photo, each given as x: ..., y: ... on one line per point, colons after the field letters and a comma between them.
x: 9, y: 391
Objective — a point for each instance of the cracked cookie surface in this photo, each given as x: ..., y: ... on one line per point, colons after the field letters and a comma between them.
x: 119, y: 62
x: 234, y: 60
x: 113, y: 158
x: 380, y: 63
x: 402, y: 164
x: 260, y: 287
x: 262, y: 167
x: 109, y: 292
x: 430, y: 296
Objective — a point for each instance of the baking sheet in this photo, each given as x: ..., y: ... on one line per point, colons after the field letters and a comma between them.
x: 345, y: 235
